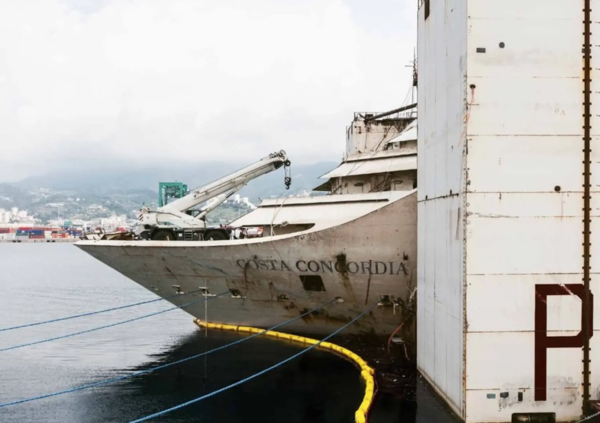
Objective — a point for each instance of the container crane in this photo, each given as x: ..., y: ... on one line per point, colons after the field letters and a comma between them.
x: 178, y: 221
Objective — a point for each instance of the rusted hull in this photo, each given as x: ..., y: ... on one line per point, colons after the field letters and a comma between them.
x: 280, y: 278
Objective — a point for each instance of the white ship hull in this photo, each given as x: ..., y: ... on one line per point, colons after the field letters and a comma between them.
x: 361, y: 247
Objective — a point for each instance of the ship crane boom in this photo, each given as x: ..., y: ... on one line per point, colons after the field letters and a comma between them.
x: 174, y: 221
x: 234, y: 181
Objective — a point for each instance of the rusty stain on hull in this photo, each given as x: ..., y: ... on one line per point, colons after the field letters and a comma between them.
x: 368, y: 284
x: 323, y: 315
x: 341, y: 267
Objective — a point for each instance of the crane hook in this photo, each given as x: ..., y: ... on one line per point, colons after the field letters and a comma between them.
x: 288, y: 174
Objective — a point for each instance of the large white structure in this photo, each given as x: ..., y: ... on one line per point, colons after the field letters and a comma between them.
x: 508, y: 201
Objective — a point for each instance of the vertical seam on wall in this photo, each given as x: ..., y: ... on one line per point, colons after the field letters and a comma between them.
x: 465, y: 184
x: 586, y: 202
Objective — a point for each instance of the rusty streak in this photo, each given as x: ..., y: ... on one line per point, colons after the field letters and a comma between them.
x: 441, y: 197
x: 368, y: 284
x: 587, y: 305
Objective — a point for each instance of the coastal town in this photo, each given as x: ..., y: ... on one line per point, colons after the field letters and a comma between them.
x: 21, y: 224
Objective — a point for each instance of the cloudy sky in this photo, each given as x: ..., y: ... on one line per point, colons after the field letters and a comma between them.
x: 165, y: 81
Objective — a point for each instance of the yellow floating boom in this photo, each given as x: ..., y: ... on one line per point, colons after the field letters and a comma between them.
x: 366, y: 373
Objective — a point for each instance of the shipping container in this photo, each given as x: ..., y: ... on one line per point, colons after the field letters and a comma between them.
x: 60, y: 234
x: 37, y: 234
x: 21, y: 234
x: 4, y: 230
x: 508, y: 173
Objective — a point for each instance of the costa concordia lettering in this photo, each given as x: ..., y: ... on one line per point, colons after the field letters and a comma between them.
x: 320, y: 266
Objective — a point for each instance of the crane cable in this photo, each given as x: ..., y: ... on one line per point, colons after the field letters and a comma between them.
x: 76, y: 316
x: 233, y: 385
x: 152, y: 369
x: 112, y: 324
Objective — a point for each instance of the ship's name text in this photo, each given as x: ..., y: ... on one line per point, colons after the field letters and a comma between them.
x: 320, y: 266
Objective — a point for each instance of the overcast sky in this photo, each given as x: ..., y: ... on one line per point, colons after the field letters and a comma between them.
x: 161, y: 81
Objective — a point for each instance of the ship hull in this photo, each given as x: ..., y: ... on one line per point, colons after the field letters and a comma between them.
x: 364, y: 261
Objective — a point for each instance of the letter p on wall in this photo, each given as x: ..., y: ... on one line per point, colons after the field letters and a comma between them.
x: 543, y: 342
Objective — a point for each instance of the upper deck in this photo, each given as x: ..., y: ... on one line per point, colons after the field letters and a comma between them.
x: 381, y: 155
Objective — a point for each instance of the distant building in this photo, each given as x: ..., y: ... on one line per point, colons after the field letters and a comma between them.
x: 4, y: 216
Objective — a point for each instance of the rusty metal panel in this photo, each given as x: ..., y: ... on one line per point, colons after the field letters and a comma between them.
x: 526, y: 205
x: 520, y: 107
x: 525, y: 230
x: 441, y: 99
x: 508, y: 164
x: 426, y: 117
x: 532, y: 114
x: 441, y: 147
x: 538, y: 45
x: 426, y: 290
x: 513, y: 308
x: 523, y: 245
x: 507, y: 360
x: 554, y: 10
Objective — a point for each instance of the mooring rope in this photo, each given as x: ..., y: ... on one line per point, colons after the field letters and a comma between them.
x: 233, y: 385
x: 76, y: 316
x: 152, y: 369
x: 111, y: 325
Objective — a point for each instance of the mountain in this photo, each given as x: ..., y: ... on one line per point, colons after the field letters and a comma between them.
x: 108, y: 181
x: 47, y: 204
x: 102, y: 191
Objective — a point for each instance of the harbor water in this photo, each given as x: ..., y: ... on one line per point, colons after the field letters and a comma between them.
x: 45, y: 281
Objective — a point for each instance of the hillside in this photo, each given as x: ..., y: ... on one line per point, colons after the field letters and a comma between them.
x: 98, y: 193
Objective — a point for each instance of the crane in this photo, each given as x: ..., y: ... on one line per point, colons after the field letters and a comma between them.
x: 177, y: 220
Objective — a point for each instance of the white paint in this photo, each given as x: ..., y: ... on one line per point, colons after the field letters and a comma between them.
x: 520, y: 197
x: 442, y: 55
x: 375, y: 236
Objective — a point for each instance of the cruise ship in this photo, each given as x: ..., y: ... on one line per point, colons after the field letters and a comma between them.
x: 357, y: 242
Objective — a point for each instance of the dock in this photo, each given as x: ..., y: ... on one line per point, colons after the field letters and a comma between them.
x: 39, y: 241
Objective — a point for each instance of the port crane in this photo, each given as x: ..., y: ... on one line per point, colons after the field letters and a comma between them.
x: 178, y: 221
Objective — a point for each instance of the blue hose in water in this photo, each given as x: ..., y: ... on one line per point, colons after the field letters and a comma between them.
x: 111, y: 325
x: 233, y: 385
x: 141, y: 372
x: 76, y: 316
